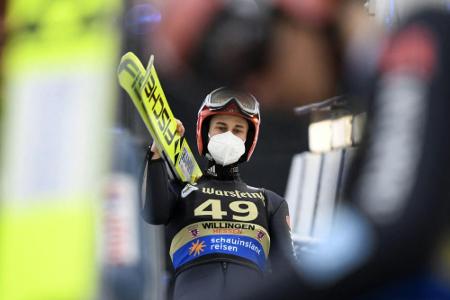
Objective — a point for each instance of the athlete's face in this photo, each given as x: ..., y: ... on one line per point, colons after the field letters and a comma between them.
x: 223, y: 123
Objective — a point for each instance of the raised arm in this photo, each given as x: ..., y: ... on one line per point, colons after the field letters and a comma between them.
x: 159, y: 193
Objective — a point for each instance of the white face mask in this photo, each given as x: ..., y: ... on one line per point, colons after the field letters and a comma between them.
x: 226, y: 148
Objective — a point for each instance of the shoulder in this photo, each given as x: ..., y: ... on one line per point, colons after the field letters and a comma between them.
x: 177, y: 187
x: 273, y: 196
x: 274, y: 201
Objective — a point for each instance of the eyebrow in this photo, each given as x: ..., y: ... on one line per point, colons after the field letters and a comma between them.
x: 226, y: 125
x: 221, y: 123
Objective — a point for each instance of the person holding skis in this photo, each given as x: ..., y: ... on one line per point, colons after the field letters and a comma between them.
x: 223, y: 232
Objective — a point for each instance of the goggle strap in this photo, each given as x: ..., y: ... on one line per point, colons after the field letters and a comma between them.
x: 250, y: 112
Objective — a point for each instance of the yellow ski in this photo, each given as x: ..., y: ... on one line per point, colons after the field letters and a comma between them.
x: 145, y: 90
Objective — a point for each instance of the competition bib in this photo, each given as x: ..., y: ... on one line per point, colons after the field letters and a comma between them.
x: 223, y: 219
x: 249, y: 241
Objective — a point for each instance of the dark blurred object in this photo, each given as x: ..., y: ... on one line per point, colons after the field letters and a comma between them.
x: 2, y: 43
x: 125, y: 268
x: 133, y: 252
x: 235, y: 43
x: 330, y: 104
x: 140, y: 18
x: 255, y: 45
x: 219, y: 41
x: 2, y: 24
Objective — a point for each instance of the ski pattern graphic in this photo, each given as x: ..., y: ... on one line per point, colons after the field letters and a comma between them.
x: 144, y: 89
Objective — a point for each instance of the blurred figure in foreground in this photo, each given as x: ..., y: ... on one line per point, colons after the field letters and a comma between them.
x: 385, y: 238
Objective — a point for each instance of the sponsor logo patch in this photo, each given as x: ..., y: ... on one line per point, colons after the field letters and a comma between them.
x: 233, y: 194
x: 194, y: 232
x: 260, y: 235
x: 240, y: 246
x: 246, y: 240
x: 189, y: 188
x: 197, y: 247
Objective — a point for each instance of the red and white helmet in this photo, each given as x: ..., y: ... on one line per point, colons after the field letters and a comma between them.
x: 230, y: 102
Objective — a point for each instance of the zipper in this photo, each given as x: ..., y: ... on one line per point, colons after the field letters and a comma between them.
x: 224, y: 267
x: 224, y: 273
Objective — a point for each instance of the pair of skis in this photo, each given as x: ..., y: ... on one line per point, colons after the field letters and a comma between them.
x: 144, y: 89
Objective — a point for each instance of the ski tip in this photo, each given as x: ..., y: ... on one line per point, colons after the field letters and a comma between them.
x: 128, y: 55
x: 150, y: 61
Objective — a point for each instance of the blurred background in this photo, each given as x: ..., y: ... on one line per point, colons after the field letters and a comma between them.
x: 72, y: 145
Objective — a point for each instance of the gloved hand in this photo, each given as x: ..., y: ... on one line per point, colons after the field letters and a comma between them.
x: 154, y: 149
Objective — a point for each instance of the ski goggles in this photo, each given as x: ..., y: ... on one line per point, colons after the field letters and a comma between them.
x: 220, y: 98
